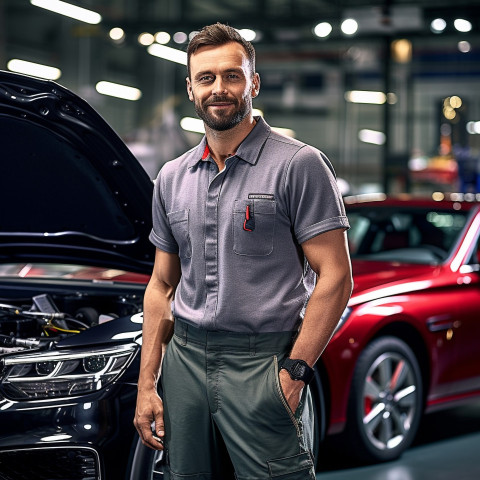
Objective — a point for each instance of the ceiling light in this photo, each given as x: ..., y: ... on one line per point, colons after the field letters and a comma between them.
x: 462, y: 25
x: 162, y: 37
x: 116, y: 34
x: 464, y: 46
x: 72, y: 11
x: 349, y: 26
x: 323, y: 30
x: 361, y: 96
x: 247, y: 34
x: 145, y: 39
x: 438, y: 25
x: 168, y: 53
x: 180, y: 37
x: 34, y: 69
x: 371, y: 136
x: 117, y: 90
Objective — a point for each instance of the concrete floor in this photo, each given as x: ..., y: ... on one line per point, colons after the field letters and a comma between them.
x: 447, y: 447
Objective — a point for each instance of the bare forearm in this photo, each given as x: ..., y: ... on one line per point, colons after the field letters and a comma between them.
x: 328, y: 256
x: 323, y: 312
x: 157, y: 331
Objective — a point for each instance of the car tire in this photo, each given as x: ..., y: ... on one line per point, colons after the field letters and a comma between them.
x: 386, y: 401
x: 147, y: 464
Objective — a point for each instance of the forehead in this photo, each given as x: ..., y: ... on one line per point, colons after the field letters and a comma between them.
x: 222, y: 57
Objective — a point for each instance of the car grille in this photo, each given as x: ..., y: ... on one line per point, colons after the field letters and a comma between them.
x: 59, y: 463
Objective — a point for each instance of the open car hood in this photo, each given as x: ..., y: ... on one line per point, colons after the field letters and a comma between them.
x: 70, y: 189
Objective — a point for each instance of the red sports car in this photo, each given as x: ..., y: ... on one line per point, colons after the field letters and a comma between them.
x: 409, y: 340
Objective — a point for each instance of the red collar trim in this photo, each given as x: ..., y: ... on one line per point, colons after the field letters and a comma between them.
x: 206, y: 153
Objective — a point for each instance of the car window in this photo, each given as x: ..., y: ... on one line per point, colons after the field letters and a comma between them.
x: 413, y: 235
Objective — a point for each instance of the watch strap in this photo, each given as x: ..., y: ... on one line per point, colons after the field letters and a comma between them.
x: 298, y: 369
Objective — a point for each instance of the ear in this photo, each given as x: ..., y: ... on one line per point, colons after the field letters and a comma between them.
x: 189, y: 89
x: 255, y: 85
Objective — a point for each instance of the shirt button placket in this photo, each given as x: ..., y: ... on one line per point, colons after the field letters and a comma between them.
x: 211, y: 242
x: 211, y: 254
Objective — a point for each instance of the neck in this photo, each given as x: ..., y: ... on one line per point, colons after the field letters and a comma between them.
x: 224, y: 144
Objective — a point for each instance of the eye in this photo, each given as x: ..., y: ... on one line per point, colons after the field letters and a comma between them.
x: 205, y: 79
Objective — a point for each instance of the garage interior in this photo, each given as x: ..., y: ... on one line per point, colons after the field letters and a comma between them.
x: 415, y: 55
x: 394, y: 102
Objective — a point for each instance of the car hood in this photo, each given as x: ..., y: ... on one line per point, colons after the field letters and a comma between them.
x: 374, y: 279
x: 70, y: 189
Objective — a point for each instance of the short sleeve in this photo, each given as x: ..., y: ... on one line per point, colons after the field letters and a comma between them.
x: 312, y: 195
x: 161, y: 235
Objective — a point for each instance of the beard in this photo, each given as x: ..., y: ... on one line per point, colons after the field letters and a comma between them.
x: 223, y: 121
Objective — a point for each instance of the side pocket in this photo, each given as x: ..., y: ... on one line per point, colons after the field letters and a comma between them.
x: 179, y: 224
x: 296, y: 467
x: 283, y: 400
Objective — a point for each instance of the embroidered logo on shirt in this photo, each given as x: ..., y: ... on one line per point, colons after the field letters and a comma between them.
x: 261, y: 196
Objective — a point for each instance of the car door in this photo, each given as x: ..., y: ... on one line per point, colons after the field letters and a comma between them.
x: 466, y: 328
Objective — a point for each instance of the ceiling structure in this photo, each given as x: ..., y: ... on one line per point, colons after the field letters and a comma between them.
x: 303, y: 77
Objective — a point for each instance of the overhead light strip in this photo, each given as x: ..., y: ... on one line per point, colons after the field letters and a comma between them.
x: 117, y: 90
x: 168, y: 53
x: 69, y: 10
x: 34, y: 69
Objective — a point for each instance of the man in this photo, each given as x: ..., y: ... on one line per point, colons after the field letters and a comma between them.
x: 234, y: 220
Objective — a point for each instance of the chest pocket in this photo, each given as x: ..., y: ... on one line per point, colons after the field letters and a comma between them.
x: 253, y: 227
x: 179, y: 224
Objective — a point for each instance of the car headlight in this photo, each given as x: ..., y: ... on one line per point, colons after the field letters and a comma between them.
x: 55, y: 374
x: 346, y: 313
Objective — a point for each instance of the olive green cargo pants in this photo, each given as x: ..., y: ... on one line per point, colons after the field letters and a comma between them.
x: 221, y: 391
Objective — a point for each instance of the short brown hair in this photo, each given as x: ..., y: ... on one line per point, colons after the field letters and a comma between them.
x: 216, y: 35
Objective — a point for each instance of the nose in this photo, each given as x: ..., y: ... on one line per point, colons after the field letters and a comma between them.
x: 218, y: 86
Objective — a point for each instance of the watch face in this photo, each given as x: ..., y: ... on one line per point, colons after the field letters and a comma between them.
x: 298, y: 370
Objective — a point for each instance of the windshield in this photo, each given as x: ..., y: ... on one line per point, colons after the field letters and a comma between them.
x: 414, y: 235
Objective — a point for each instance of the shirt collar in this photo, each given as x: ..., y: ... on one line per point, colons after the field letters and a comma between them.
x: 248, y: 150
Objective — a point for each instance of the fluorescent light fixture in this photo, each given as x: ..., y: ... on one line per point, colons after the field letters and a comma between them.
x: 168, y: 53
x: 117, y: 90
x: 72, y: 11
x: 192, y: 124
x: 462, y: 25
x: 34, y: 69
x: 322, y: 30
x: 364, y: 96
x: 371, y: 136
x: 349, y: 26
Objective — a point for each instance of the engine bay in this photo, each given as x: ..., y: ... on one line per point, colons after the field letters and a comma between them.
x: 43, y: 319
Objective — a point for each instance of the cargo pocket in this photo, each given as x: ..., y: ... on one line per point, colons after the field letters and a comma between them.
x: 296, y: 467
x: 253, y: 227
x: 179, y: 224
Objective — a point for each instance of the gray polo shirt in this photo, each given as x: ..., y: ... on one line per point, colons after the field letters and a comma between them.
x: 238, y: 232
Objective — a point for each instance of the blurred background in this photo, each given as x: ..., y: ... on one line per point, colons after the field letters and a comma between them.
x: 389, y: 90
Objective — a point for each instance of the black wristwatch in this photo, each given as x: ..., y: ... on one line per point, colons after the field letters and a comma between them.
x: 298, y: 370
